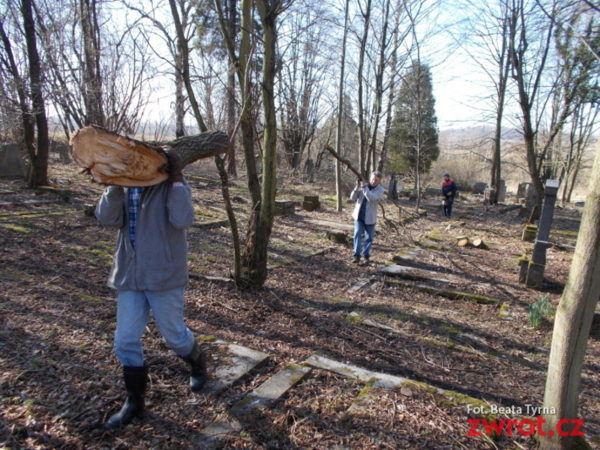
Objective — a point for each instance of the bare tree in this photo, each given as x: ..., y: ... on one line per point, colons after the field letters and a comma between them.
x: 92, y: 77
x: 490, y: 26
x: 582, y: 126
x: 152, y: 14
x: 301, y: 79
x: 97, y: 70
x: 362, y: 120
x: 531, y: 45
x: 29, y: 95
x: 340, y: 121
x: 253, y: 269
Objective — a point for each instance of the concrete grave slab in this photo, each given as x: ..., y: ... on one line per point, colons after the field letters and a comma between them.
x: 238, y: 361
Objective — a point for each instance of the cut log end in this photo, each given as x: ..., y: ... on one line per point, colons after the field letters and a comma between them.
x: 463, y: 242
x: 118, y: 160
x: 479, y: 243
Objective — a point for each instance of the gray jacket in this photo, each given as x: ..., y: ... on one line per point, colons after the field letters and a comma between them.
x: 372, y: 196
x: 159, y: 261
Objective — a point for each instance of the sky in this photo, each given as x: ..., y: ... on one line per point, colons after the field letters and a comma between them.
x: 459, y: 86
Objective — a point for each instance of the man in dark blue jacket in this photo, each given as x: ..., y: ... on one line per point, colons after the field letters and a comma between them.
x: 448, y: 194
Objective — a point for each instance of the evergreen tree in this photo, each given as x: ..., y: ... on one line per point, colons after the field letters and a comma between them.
x: 414, y: 134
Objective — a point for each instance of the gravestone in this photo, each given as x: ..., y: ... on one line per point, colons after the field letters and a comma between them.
x: 434, y: 192
x: 479, y: 187
x: 11, y: 161
x: 525, y: 198
x: 61, y: 149
x: 501, y: 193
x: 489, y: 197
x: 535, y: 273
x: 393, y: 188
x: 525, y: 193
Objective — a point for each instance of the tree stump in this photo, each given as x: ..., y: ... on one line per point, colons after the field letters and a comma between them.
x: 311, y: 203
x: 284, y: 207
x: 339, y: 237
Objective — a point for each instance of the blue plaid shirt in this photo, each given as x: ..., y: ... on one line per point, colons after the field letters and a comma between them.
x: 134, y: 196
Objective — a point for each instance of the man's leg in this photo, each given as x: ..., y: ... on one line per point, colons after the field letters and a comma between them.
x: 449, y: 206
x: 132, y: 316
x: 167, y: 307
x: 359, y: 229
x: 168, y: 314
x: 370, y: 229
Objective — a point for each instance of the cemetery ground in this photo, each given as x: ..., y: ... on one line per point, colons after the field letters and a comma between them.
x: 452, y: 334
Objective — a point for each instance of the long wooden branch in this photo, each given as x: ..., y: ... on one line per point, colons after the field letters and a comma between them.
x: 199, y: 146
x: 343, y: 160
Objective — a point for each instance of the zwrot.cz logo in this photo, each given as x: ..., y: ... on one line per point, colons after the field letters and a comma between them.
x: 522, y: 427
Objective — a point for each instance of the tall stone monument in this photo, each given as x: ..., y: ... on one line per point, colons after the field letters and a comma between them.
x: 537, y: 264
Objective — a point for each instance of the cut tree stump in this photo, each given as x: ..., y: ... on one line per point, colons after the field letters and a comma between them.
x: 311, y: 203
x: 284, y: 207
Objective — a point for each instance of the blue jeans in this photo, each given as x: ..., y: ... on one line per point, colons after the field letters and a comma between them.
x: 133, y: 308
x: 361, y: 228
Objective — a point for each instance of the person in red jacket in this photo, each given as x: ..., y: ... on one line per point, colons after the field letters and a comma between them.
x: 448, y: 194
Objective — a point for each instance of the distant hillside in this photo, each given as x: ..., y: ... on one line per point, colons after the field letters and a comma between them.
x: 458, y: 137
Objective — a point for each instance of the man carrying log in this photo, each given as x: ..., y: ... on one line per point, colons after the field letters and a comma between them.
x: 150, y: 272
x: 366, y: 196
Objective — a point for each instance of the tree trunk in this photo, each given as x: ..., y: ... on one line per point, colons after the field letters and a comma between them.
x: 184, y: 51
x: 362, y: 132
x: 92, y: 76
x: 504, y: 70
x: 339, y: 129
x: 377, y: 108
x: 27, y: 122
x: 179, y: 97
x: 231, y: 106
x: 254, y: 270
x: 573, y: 321
x: 183, y: 47
x: 38, y: 172
x: 392, y: 93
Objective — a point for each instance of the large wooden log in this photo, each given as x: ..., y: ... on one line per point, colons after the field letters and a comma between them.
x: 120, y: 160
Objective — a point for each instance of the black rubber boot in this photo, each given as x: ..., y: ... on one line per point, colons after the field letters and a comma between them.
x: 197, y: 360
x: 135, y: 385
